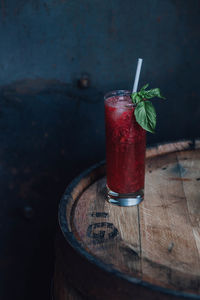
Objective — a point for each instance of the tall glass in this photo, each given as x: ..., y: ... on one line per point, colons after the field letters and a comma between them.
x: 125, y: 150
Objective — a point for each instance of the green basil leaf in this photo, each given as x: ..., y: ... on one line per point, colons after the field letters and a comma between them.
x: 144, y: 87
x: 142, y: 94
x: 145, y: 115
x: 152, y: 93
x: 136, y: 98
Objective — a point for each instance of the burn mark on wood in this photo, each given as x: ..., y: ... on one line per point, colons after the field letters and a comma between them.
x: 99, y: 214
x: 164, y: 168
x: 170, y: 247
x: 101, y: 232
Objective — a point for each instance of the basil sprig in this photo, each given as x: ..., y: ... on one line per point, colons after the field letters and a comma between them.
x: 145, y: 113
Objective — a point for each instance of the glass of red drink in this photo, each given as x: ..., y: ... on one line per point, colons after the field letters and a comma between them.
x: 125, y: 150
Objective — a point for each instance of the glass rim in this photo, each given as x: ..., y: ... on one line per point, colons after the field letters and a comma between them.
x: 117, y: 93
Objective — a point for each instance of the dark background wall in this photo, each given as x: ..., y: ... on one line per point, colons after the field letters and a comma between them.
x: 51, y: 129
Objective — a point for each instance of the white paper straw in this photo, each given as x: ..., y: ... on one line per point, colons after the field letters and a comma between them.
x: 137, y: 75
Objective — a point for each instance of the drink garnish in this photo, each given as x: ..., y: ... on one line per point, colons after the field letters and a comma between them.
x: 145, y: 113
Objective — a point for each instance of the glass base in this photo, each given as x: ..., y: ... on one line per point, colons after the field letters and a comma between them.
x: 130, y: 199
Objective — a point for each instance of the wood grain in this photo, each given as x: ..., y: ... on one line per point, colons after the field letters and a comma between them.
x: 110, y: 233
x: 190, y: 168
x: 157, y: 242
x: 169, y: 252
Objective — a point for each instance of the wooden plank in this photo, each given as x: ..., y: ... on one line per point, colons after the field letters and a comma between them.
x: 167, y: 253
x: 170, y: 256
x: 190, y: 168
x: 162, y: 149
x: 110, y: 233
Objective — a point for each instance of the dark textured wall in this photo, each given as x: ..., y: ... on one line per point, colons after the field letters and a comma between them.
x: 50, y: 129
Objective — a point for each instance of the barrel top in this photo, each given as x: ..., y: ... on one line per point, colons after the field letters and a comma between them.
x: 156, y: 244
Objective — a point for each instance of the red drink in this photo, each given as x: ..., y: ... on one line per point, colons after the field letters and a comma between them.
x: 125, y: 150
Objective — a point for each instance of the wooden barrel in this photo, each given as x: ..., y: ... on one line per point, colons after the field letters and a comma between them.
x: 150, y: 251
